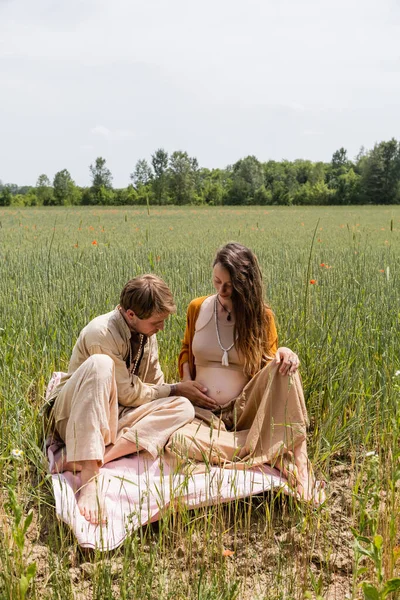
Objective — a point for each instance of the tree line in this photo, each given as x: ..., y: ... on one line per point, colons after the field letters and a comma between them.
x: 373, y: 177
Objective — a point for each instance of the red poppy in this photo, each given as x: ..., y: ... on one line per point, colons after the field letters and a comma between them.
x: 322, y: 265
x: 313, y: 281
x: 94, y: 243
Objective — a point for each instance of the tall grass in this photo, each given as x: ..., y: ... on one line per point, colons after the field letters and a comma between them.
x: 61, y: 267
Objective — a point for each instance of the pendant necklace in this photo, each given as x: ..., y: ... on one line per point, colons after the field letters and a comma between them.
x: 225, y: 359
x: 228, y: 318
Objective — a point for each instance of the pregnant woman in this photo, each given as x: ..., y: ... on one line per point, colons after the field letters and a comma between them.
x: 251, y: 408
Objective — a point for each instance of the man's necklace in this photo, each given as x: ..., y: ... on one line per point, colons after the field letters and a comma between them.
x: 132, y: 368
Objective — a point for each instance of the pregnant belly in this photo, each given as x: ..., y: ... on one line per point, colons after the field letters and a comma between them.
x: 223, y: 385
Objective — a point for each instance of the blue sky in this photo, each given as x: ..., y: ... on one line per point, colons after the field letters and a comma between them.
x: 220, y: 79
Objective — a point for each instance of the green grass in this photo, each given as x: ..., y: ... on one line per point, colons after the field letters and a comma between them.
x: 345, y: 328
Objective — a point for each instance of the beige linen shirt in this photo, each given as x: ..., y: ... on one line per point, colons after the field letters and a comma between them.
x: 109, y: 334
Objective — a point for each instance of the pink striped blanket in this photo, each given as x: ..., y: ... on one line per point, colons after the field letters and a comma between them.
x: 139, y: 489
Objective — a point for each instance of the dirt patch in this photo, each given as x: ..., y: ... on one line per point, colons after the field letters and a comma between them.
x: 277, y: 549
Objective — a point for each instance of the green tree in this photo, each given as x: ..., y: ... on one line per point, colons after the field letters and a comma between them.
x: 247, y: 178
x: 317, y: 193
x: 5, y: 196
x: 101, y: 175
x: 99, y: 195
x: 142, y: 177
x: 339, y: 179
x: 127, y: 196
x: 340, y: 164
x: 318, y: 173
x: 381, y: 174
x: 44, y: 191
x: 349, y: 189
x: 275, y: 181
x: 65, y: 191
x: 213, y: 186
x: 303, y: 170
x: 263, y: 196
x: 159, y: 160
x: 142, y: 174
x: 101, y: 191
x: 181, y: 178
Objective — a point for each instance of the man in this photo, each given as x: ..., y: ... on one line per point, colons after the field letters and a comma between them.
x: 113, y: 401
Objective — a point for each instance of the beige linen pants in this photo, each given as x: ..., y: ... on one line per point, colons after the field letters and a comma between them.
x: 88, y: 417
x: 268, y: 420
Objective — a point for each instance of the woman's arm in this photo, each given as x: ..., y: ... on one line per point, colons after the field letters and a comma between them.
x: 184, y: 355
x: 185, y: 372
x: 288, y: 359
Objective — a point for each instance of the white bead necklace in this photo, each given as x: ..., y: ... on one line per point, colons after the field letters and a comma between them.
x: 132, y: 368
x: 225, y: 359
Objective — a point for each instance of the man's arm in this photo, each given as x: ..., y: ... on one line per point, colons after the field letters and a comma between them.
x: 154, y: 374
x: 131, y: 390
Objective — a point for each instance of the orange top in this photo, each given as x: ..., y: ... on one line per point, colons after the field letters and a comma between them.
x: 186, y: 354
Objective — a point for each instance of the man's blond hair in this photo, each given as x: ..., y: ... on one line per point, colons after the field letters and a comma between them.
x: 147, y: 295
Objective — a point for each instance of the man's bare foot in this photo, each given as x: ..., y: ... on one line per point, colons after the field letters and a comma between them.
x: 122, y: 447
x: 61, y: 464
x: 91, y: 501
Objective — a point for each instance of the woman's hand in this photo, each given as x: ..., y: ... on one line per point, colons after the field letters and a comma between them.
x: 288, y: 360
x: 196, y: 393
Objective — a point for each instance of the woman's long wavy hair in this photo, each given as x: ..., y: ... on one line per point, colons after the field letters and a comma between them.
x: 252, y: 314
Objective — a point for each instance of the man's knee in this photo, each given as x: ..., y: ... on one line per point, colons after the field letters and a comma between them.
x: 185, y: 408
x: 101, y: 364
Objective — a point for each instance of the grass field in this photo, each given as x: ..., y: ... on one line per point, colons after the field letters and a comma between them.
x: 61, y: 267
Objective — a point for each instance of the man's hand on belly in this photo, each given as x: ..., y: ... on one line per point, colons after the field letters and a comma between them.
x: 197, y: 394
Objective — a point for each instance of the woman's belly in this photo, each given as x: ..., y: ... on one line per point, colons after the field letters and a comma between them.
x: 222, y: 384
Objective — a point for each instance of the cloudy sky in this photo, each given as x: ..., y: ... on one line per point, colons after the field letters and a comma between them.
x: 220, y: 79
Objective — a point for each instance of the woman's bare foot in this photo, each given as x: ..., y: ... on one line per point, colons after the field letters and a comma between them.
x: 300, y: 476
x: 61, y: 464
x: 308, y: 488
x: 91, y: 501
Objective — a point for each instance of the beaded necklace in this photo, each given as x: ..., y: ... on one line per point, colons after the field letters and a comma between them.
x: 132, y: 368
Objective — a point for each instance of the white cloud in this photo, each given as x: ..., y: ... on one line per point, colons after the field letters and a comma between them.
x: 312, y: 132
x: 101, y: 130
x: 295, y: 106
x: 112, y: 135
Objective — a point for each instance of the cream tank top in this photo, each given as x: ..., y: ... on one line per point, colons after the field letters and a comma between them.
x: 206, y: 350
